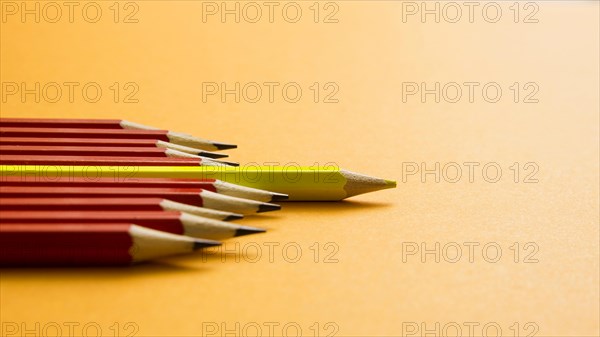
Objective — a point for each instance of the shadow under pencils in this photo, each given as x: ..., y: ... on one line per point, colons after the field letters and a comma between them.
x: 179, y: 264
x: 343, y: 205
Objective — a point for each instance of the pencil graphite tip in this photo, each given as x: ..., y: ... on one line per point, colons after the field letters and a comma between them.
x: 212, y: 155
x: 267, y: 207
x: 279, y: 196
x: 198, y: 244
x: 248, y: 230
x: 224, y: 146
x: 216, y: 162
x: 390, y: 183
x: 233, y: 217
x: 229, y: 163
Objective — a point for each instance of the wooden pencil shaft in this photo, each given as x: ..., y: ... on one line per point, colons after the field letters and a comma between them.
x: 166, y: 221
x: 62, y: 123
x: 300, y: 183
x: 83, y: 133
x: 88, y: 244
x: 191, y: 196
x: 146, y: 143
x: 83, y: 151
x: 98, y: 161
x: 23, y: 245
x: 110, y: 204
x: 205, y: 184
x: 80, y: 204
x: 160, y: 220
x: 45, y: 141
x: 129, y: 131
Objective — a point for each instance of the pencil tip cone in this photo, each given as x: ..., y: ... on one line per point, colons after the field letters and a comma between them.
x: 224, y: 146
x: 279, y: 196
x: 212, y: 155
x: 248, y: 230
x: 233, y: 217
x: 198, y: 244
x: 390, y: 183
x: 230, y: 163
x: 266, y: 207
x: 215, y: 162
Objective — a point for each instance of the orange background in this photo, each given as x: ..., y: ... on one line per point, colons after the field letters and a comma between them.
x: 369, y: 53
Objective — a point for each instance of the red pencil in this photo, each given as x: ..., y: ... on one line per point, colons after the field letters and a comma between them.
x: 212, y: 185
x: 166, y: 221
x: 143, y: 143
x: 90, y: 244
x: 106, y: 161
x: 70, y: 123
x: 111, y: 204
x: 92, y: 151
x: 114, y: 124
x: 192, y: 196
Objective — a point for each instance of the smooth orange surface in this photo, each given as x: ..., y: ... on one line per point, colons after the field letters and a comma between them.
x: 370, y: 287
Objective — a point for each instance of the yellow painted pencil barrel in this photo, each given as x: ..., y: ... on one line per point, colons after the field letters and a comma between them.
x: 300, y: 183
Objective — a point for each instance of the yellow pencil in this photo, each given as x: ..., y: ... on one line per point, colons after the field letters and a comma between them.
x: 300, y: 183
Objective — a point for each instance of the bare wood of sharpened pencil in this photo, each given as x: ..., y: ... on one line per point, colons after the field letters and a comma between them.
x: 168, y: 221
x: 112, y: 124
x: 144, y: 143
x: 192, y: 196
x: 89, y: 244
x: 111, y: 204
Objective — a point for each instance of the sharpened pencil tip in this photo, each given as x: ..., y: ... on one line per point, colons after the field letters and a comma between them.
x: 224, y: 146
x: 266, y: 207
x: 390, y: 183
x: 212, y: 155
x: 233, y: 217
x: 279, y: 196
x: 230, y: 163
x: 198, y: 244
x: 248, y: 230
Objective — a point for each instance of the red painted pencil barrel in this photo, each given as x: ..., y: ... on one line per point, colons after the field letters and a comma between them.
x: 37, y: 141
x: 41, y: 245
x: 97, y: 161
x: 32, y: 150
x: 84, y: 133
x: 165, y: 221
x: 205, y: 184
x: 61, y: 123
x: 81, y: 204
x: 184, y: 195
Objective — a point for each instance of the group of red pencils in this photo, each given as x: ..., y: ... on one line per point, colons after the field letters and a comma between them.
x: 105, y: 221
